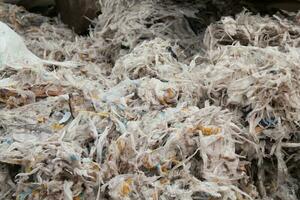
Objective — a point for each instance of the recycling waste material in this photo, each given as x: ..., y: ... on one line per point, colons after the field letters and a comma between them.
x: 144, y: 108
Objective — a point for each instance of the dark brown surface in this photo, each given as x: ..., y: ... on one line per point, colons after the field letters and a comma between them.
x: 271, y: 6
x: 76, y: 13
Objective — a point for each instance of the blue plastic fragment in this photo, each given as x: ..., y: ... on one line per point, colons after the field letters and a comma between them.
x: 23, y: 195
x: 8, y: 140
x: 74, y: 157
x: 268, y: 123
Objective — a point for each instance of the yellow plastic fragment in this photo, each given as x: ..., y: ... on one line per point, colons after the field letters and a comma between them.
x: 28, y: 169
x: 185, y: 109
x: 95, y: 166
x: 162, y: 101
x: 41, y: 119
x: 101, y: 114
x: 125, y: 188
x: 77, y: 198
x: 207, y: 131
x: 175, y: 161
x: 164, y: 181
x: 258, y: 129
x: 169, y: 95
x: 146, y: 163
x: 57, y: 126
x: 44, y: 186
x: 164, y: 168
x: 121, y: 144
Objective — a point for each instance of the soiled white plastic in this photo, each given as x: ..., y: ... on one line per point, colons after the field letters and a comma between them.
x: 14, y: 53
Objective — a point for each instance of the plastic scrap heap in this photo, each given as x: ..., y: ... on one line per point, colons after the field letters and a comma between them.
x: 147, y: 108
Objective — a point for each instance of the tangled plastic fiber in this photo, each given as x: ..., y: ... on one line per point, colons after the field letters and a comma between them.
x: 145, y: 108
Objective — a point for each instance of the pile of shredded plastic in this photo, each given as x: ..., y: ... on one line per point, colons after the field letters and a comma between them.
x: 133, y: 111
